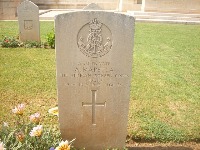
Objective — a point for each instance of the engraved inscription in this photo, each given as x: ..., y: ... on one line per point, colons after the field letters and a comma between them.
x: 94, y: 104
x: 28, y: 24
x: 94, y: 39
x: 94, y: 74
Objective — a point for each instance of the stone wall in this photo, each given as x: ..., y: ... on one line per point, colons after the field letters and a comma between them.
x: 8, y: 9
x: 134, y: 5
x: 79, y: 4
x: 74, y: 4
x: 181, y: 6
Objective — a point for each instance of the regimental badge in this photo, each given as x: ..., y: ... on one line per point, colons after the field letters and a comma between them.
x: 28, y: 24
x: 94, y: 39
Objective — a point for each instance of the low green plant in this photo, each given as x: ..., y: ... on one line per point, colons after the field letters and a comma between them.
x: 31, y: 134
x: 50, y: 37
x: 10, y: 42
x: 32, y: 44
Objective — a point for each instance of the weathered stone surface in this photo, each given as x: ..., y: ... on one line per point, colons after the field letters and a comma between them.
x: 92, y: 6
x: 28, y: 18
x: 94, y: 52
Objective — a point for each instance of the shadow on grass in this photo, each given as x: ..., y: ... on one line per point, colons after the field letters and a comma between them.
x: 160, y: 148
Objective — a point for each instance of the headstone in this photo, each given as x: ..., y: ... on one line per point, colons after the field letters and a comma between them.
x: 94, y: 54
x: 28, y: 18
x: 92, y: 6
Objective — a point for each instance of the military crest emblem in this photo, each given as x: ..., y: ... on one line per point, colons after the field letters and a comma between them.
x: 94, y: 39
x: 28, y: 24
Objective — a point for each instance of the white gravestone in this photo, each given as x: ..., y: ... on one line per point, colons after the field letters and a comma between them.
x: 94, y: 54
x: 28, y: 18
x: 92, y: 6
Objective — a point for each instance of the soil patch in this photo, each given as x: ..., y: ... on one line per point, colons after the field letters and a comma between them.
x: 163, y: 146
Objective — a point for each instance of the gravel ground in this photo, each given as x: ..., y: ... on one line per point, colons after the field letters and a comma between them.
x: 163, y: 146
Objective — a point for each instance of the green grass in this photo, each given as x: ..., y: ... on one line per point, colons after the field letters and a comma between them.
x: 165, y: 94
x: 11, y: 28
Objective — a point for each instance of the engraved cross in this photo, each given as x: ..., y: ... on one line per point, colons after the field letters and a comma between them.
x: 94, y: 104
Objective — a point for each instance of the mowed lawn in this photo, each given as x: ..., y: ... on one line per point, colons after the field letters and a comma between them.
x: 165, y: 93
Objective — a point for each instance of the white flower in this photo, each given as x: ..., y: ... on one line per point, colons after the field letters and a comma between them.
x: 64, y: 145
x: 36, y: 131
x: 35, y: 118
x: 19, y: 109
x: 53, y: 111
